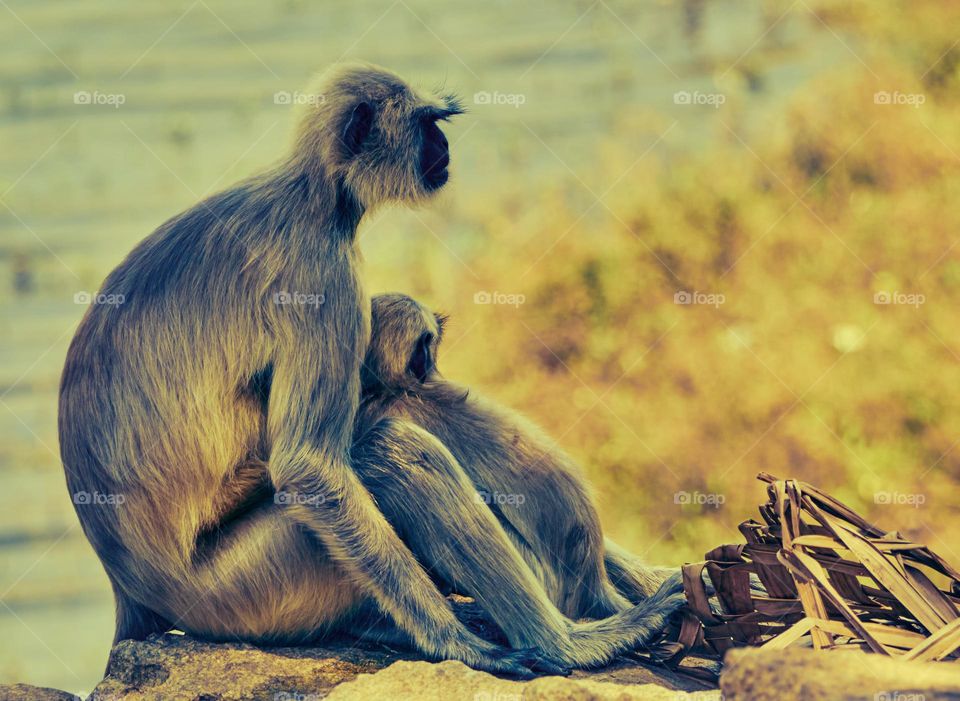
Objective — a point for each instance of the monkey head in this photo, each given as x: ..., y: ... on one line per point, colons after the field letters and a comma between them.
x: 403, y: 344
x: 375, y: 135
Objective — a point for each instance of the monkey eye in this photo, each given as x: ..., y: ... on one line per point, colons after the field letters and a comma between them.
x: 421, y: 361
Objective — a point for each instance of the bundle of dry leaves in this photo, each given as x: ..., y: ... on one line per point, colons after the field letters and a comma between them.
x: 816, y: 573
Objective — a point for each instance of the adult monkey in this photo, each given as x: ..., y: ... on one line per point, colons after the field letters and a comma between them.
x: 213, y: 386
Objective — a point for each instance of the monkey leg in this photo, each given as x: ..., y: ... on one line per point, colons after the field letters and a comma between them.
x: 265, y: 579
x: 550, y: 518
x: 547, y: 511
x: 432, y: 504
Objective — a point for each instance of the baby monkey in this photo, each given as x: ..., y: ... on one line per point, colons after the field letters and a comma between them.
x: 534, y: 489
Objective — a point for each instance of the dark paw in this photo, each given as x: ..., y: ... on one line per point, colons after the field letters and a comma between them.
x: 530, y: 662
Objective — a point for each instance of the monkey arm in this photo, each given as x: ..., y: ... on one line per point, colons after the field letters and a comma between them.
x: 310, y: 422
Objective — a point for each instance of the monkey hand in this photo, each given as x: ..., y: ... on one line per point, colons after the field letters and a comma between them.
x: 488, y: 657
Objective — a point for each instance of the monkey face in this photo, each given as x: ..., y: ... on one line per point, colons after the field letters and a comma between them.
x: 377, y: 136
x: 397, y: 149
x: 434, y: 155
x: 403, y: 345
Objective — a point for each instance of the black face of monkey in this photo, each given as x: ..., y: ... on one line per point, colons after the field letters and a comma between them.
x: 376, y: 136
x: 435, y: 155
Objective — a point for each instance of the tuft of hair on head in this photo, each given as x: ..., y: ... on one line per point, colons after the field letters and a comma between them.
x: 452, y: 103
x: 441, y: 319
x: 370, y: 132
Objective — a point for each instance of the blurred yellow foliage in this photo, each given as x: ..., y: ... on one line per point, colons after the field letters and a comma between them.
x: 803, y: 370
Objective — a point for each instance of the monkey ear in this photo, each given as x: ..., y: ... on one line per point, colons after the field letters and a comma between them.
x: 357, y: 128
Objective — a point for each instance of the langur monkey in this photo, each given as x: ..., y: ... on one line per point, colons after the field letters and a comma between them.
x: 536, y: 491
x: 220, y: 397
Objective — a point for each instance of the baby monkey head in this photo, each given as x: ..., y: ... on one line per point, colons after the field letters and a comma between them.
x: 403, y: 345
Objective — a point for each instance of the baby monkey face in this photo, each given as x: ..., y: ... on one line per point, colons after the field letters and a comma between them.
x: 405, y: 338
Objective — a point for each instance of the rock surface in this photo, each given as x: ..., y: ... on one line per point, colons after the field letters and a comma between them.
x: 772, y: 675
x: 448, y: 681
x: 177, y: 667
x: 25, y: 692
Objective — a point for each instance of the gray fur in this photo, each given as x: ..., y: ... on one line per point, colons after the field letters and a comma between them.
x: 512, y: 522
x: 202, y: 401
